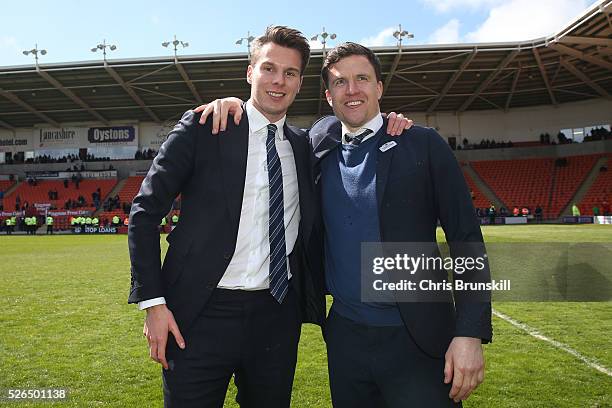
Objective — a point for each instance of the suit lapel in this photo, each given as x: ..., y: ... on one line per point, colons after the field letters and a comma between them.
x: 382, y: 166
x: 302, y: 166
x: 328, y: 142
x: 325, y: 146
x: 233, y: 151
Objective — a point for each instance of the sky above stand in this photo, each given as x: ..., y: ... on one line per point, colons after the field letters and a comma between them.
x: 68, y: 29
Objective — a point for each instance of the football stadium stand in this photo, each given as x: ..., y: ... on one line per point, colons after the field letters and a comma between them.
x: 39, y: 193
x: 567, y: 178
x: 5, y: 185
x: 550, y: 182
x: 126, y: 195
x: 480, y: 199
x: 522, y: 183
x: 599, y: 193
x: 547, y: 182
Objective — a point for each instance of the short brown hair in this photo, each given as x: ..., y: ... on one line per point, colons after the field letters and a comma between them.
x: 286, y: 37
x: 346, y: 50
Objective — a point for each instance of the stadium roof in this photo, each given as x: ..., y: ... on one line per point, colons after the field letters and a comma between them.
x: 573, y: 65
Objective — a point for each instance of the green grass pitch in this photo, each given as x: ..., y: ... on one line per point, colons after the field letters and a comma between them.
x: 65, y: 323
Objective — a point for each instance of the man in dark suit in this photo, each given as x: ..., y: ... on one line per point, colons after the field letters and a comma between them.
x: 243, y: 269
x: 375, y: 188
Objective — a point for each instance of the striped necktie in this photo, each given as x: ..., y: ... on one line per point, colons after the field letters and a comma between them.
x: 357, y: 139
x: 279, y: 283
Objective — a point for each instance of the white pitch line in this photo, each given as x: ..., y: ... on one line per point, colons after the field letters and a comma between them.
x: 534, y: 333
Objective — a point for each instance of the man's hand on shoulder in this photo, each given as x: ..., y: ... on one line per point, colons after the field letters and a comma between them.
x: 221, y: 108
x: 464, y: 366
x: 158, y: 323
x: 397, y: 123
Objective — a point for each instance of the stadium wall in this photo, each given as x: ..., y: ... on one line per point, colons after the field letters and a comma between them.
x: 124, y: 167
x: 513, y: 153
x: 519, y: 124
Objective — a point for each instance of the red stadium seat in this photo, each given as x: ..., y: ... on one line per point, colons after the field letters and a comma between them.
x: 519, y: 183
x: 600, y: 190
x: 6, y: 184
x: 529, y: 182
x: 126, y: 195
x: 39, y: 193
x: 480, y: 200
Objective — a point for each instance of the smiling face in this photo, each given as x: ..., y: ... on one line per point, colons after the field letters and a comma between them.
x: 353, y: 91
x: 274, y: 75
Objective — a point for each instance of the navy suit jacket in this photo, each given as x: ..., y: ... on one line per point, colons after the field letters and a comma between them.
x: 209, y: 172
x: 419, y: 183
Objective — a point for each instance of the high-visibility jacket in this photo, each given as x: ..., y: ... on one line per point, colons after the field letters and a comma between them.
x: 49, y: 220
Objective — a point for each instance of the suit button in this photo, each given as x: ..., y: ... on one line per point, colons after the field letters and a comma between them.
x: 227, y: 257
x: 210, y: 286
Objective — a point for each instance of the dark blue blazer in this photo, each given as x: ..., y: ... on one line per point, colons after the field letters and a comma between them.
x: 209, y: 172
x: 419, y: 183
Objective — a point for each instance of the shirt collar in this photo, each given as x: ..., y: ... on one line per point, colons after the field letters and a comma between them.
x: 257, y: 121
x: 373, y: 124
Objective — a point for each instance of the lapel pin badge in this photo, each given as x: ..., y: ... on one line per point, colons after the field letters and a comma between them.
x: 387, y: 146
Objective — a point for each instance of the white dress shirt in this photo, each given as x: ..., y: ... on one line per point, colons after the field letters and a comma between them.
x: 373, y: 124
x: 249, y: 267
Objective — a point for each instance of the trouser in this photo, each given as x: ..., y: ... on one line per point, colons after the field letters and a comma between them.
x: 247, y: 334
x: 49, y: 229
x: 376, y: 367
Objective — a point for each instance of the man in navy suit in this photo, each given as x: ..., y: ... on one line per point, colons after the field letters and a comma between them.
x: 243, y: 269
x: 377, y: 188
